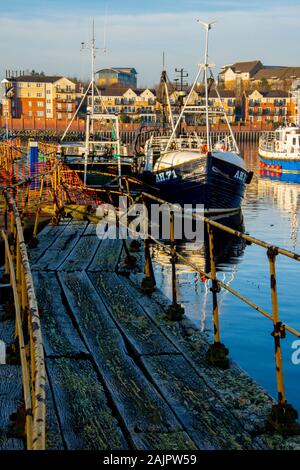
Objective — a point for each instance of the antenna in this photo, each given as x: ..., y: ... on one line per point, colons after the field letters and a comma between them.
x: 104, y: 30
x: 163, y: 58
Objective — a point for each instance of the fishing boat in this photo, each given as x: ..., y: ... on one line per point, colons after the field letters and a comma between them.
x: 101, y: 158
x: 279, y: 151
x: 188, y: 169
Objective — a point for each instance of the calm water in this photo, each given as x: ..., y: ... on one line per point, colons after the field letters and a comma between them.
x: 271, y: 212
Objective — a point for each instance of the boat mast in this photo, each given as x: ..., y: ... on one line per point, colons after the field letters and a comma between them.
x: 207, y: 27
x: 93, y: 49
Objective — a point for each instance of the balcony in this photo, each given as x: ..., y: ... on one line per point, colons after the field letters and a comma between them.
x: 64, y: 90
x: 254, y: 103
x: 61, y: 99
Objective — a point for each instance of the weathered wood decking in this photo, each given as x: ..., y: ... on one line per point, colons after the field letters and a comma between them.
x: 117, y: 377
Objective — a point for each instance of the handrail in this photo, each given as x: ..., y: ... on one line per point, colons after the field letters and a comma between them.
x: 17, y: 267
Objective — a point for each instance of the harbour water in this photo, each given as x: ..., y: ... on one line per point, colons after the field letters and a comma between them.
x: 271, y: 212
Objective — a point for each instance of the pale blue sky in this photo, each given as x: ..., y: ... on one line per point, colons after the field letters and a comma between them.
x: 46, y: 35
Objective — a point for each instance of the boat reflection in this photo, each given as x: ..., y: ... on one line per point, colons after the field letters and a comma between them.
x: 228, y: 249
x: 194, y: 290
x: 284, y: 190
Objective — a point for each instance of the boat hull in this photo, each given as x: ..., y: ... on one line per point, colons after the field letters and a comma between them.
x: 276, y: 161
x: 212, y: 182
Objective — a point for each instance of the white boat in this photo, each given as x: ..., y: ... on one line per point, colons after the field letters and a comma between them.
x: 280, y: 150
x: 101, y: 151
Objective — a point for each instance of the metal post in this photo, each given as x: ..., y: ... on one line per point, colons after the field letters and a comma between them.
x: 175, y: 311
x: 283, y: 416
x: 217, y: 352
x: 33, y: 242
x: 148, y: 282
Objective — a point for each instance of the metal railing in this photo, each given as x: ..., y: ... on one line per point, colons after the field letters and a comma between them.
x: 28, y: 328
x: 282, y: 416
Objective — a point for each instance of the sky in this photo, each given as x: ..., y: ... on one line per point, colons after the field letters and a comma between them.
x: 46, y: 35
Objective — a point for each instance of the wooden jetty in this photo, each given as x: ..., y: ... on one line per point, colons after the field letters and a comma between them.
x: 119, y: 374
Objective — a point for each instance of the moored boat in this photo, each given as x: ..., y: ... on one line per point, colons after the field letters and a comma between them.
x: 279, y: 151
x: 188, y: 169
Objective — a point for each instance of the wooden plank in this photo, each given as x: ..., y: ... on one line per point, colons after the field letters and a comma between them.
x: 108, y: 254
x: 201, y: 412
x: 138, y: 404
x: 46, y: 238
x: 90, y: 229
x: 54, y: 440
x: 83, y: 253
x: 163, y: 441
x: 86, y: 420
x: 139, y: 329
x: 227, y: 385
x: 10, y: 399
x: 60, y: 337
x: 7, y: 326
x: 60, y: 249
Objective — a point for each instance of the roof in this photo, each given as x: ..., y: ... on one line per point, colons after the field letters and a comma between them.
x: 222, y: 93
x: 272, y: 93
x: 244, y: 67
x: 114, y: 91
x: 37, y: 78
x: 280, y: 73
x: 119, y: 69
x: 119, y: 90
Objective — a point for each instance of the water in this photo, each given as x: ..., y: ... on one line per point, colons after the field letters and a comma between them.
x: 271, y: 212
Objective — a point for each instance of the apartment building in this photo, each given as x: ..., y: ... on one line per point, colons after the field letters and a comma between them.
x: 275, y: 106
x: 239, y: 74
x: 40, y: 96
x: 131, y: 104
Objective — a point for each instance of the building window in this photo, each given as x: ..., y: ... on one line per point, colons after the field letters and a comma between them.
x: 30, y: 113
x: 40, y: 113
x: 39, y: 95
x: 29, y: 95
x: 69, y: 115
x: 40, y: 104
x: 58, y: 105
x: 39, y: 85
x: 48, y: 111
x: 29, y: 103
x: 58, y: 115
x: 48, y: 92
x: 49, y: 101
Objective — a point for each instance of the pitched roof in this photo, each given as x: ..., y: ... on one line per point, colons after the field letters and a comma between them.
x: 272, y: 93
x: 222, y: 93
x: 244, y: 67
x: 280, y: 73
x: 38, y: 78
x: 113, y: 90
x: 119, y: 90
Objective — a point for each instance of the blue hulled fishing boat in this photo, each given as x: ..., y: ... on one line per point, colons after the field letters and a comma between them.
x: 189, y: 169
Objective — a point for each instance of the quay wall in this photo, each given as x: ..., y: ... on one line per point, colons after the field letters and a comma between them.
x: 51, y: 128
